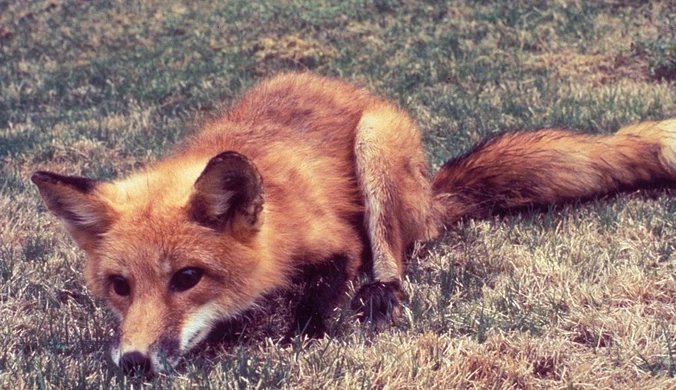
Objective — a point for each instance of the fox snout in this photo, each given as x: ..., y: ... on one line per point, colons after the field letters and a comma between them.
x: 149, y: 343
x: 135, y: 363
x: 145, y: 360
x: 144, y: 364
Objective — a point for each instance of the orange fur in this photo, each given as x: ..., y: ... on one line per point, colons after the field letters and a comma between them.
x: 550, y: 166
x: 308, y: 172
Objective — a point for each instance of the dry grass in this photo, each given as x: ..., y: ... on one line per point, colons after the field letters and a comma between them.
x: 581, y: 296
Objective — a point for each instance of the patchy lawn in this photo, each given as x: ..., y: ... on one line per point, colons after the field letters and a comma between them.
x: 582, y: 296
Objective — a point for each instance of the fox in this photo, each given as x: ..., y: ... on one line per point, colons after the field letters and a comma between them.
x: 313, y: 176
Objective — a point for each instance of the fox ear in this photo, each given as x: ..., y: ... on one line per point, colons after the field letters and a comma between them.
x: 228, y: 195
x: 74, y: 200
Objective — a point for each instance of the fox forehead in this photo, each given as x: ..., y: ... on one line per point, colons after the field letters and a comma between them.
x: 151, y: 225
x: 166, y: 185
x: 151, y: 247
x: 164, y: 243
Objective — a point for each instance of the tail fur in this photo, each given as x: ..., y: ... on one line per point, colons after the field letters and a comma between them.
x: 520, y: 169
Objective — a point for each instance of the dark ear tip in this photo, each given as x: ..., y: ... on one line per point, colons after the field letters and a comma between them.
x: 228, y: 157
x: 81, y: 184
x: 233, y: 161
x: 39, y: 177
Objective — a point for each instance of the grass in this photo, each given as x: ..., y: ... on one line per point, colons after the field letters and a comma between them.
x: 582, y: 296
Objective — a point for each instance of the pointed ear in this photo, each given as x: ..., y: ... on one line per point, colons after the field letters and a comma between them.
x: 74, y: 200
x: 228, y: 195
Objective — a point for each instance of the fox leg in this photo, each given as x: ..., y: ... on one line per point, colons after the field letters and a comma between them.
x: 325, y: 286
x: 392, y: 174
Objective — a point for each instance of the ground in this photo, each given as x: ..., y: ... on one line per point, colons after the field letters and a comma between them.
x: 581, y: 297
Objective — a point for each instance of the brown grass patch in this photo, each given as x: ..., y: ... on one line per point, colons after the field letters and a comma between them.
x: 293, y: 51
x: 593, y: 69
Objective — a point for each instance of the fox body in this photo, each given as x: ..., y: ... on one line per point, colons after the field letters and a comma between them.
x: 309, y: 173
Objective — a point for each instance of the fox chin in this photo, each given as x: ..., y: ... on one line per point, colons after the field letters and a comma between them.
x: 313, y: 177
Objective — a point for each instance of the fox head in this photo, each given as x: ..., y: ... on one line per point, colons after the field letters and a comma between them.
x: 172, y: 251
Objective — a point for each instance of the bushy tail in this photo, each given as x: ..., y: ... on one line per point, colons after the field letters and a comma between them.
x: 539, y: 168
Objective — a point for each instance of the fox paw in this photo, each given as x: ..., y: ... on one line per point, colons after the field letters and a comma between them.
x: 378, y: 302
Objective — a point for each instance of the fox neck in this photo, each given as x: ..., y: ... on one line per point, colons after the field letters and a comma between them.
x: 274, y: 267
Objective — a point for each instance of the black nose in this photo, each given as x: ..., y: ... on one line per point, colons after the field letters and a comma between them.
x: 135, y: 363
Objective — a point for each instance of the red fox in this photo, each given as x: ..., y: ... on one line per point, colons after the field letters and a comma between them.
x: 307, y: 172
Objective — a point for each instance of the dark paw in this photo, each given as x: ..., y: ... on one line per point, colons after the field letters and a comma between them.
x: 377, y: 302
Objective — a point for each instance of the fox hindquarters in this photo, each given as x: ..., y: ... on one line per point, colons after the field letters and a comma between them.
x: 308, y: 176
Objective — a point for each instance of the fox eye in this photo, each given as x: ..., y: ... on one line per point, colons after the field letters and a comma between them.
x: 120, y: 285
x: 185, y: 279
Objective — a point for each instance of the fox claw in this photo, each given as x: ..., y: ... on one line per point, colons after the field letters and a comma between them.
x: 378, y: 302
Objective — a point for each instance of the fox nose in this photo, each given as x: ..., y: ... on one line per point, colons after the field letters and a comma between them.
x: 135, y: 363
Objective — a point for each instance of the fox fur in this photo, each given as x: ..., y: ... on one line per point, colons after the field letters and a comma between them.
x: 309, y: 173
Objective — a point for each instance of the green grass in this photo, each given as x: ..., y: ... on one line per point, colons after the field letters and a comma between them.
x: 581, y: 296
